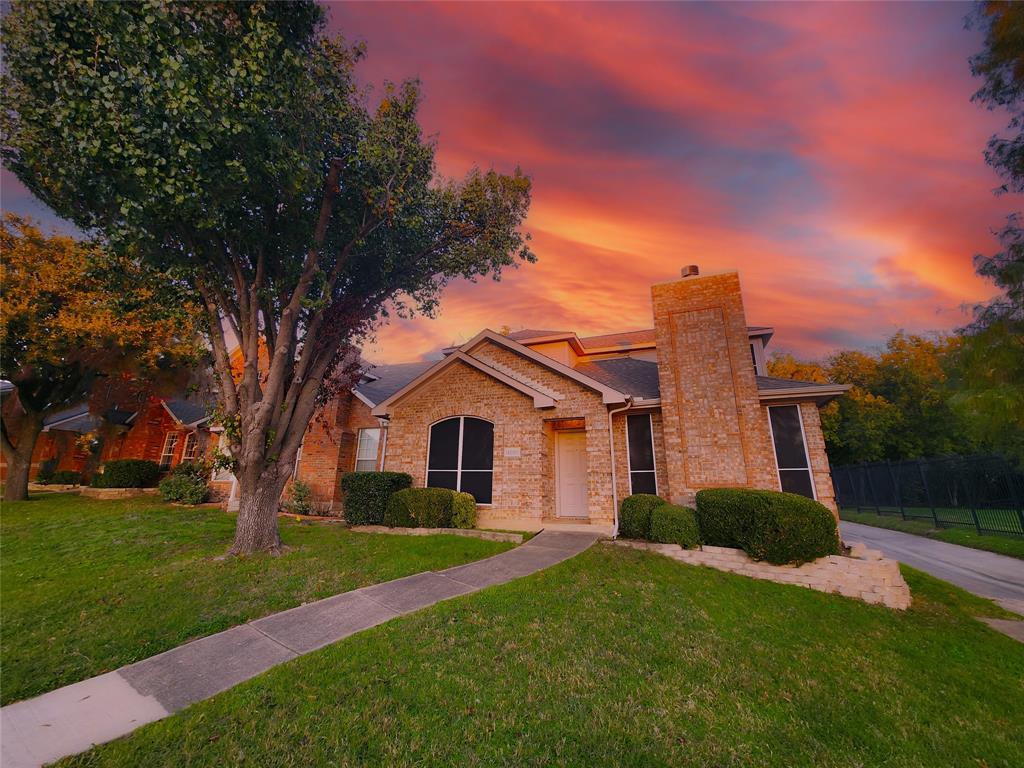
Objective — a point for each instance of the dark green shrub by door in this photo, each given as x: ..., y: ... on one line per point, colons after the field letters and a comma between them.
x: 671, y: 524
x: 367, y: 494
x: 635, y: 515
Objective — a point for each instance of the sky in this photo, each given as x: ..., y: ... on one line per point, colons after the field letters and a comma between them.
x: 828, y: 152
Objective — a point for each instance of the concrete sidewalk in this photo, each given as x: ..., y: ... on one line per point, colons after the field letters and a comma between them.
x: 74, y: 718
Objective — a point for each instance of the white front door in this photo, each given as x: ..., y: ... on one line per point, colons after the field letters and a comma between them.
x: 571, y: 473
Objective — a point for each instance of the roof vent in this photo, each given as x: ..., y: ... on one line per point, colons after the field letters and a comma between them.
x: 690, y: 270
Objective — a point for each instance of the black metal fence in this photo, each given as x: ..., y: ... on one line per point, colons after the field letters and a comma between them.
x: 981, y: 492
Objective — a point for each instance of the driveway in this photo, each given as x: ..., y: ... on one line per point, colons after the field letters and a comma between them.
x: 987, y: 574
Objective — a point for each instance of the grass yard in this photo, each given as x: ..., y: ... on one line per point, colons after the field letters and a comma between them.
x: 1003, y: 545
x: 620, y: 657
x: 88, y: 585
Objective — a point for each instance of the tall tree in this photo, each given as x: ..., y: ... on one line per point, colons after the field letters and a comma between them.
x: 71, y: 311
x: 988, y: 370
x: 230, y: 140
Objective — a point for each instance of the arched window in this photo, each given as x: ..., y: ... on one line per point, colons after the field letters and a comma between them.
x: 461, y: 456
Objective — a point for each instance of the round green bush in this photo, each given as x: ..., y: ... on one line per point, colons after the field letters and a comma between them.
x: 463, y: 511
x: 671, y: 524
x: 186, y: 484
x: 420, y: 508
x: 367, y: 494
x: 635, y: 515
x: 776, y: 527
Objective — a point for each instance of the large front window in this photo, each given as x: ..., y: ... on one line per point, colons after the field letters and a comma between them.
x: 642, y: 475
x: 791, y: 450
x: 461, y: 456
x: 366, y: 450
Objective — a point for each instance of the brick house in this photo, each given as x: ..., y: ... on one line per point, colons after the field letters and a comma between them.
x: 546, y: 427
x: 165, y: 430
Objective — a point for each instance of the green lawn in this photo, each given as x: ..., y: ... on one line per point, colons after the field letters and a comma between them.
x: 1004, y: 545
x: 88, y: 586
x: 621, y: 657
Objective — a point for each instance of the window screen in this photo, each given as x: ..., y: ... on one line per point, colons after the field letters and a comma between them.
x: 461, y: 456
x: 790, y: 450
x: 366, y: 450
x: 639, y: 435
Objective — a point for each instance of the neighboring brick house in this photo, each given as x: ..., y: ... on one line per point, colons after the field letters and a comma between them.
x: 165, y: 430
x: 545, y: 427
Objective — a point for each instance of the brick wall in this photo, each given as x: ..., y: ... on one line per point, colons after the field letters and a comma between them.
x: 715, y: 432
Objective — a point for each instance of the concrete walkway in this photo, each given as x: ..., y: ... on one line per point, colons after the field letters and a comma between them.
x: 74, y: 718
x: 987, y: 574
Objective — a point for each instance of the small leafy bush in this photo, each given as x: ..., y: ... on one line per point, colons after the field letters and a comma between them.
x: 671, y: 524
x: 463, y: 511
x: 768, y: 525
x: 66, y: 477
x: 127, y: 473
x: 47, y: 467
x: 300, y: 498
x: 420, y: 508
x: 367, y: 494
x: 635, y: 515
x: 186, y: 484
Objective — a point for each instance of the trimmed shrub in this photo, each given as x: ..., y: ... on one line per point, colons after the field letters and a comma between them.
x: 635, y: 515
x: 671, y: 524
x: 66, y: 477
x: 367, y: 494
x: 186, y: 484
x: 768, y: 525
x: 463, y: 511
x: 420, y: 508
x: 724, y: 516
x: 127, y: 473
x: 47, y: 467
x: 300, y: 498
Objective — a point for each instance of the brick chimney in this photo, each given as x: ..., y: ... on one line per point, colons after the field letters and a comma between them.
x: 716, y: 433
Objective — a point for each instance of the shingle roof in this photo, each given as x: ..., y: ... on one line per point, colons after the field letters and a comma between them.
x: 186, y: 412
x: 532, y: 333
x: 390, y: 379
x: 630, y: 376
x: 773, y: 383
x: 627, y: 338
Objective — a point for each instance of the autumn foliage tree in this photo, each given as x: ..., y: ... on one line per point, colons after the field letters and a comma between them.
x: 69, y: 312
x: 230, y: 140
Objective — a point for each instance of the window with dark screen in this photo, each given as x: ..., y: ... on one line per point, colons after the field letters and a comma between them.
x: 791, y: 450
x: 640, y: 436
x: 461, y: 456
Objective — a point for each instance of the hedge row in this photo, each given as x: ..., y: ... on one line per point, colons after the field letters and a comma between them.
x: 768, y: 525
x: 649, y: 517
x: 387, y: 498
x: 127, y: 473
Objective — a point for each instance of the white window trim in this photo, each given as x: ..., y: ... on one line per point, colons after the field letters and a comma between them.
x: 654, y: 456
x: 195, y: 447
x: 458, y: 470
x: 803, y: 438
x: 168, y: 453
x: 760, y: 362
x: 376, y: 454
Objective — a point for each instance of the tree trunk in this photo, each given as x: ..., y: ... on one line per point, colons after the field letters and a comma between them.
x: 256, y: 529
x: 19, y: 457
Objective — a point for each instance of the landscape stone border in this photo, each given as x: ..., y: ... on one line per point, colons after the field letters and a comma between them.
x: 515, y: 538
x: 864, y: 575
x: 117, y: 493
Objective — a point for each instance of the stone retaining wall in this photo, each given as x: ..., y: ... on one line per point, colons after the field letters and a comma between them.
x: 864, y: 574
x: 515, y: 538
x: 117, y: 493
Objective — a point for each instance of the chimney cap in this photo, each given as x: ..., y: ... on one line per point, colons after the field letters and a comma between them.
x: 690, y: 270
